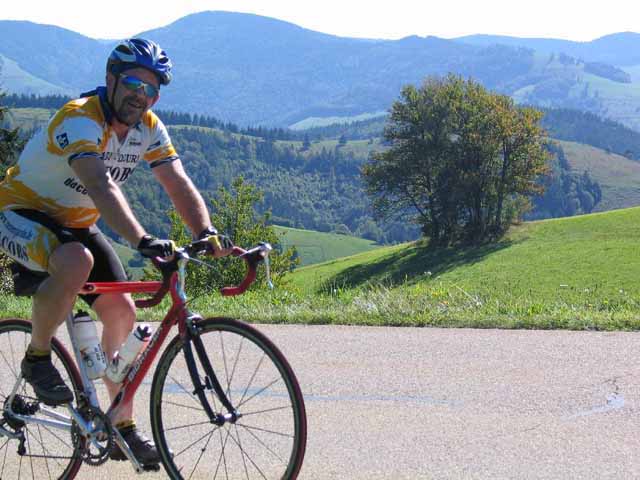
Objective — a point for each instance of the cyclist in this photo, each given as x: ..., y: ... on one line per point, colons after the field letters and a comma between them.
x: 68, y: 176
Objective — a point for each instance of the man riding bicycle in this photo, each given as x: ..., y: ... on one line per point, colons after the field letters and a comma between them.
x: 68, y: 176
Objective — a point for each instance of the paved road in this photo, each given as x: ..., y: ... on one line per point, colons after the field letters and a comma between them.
x: 404, y: 403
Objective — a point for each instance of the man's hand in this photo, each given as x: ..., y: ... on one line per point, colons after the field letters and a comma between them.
x: 151, y: 247
x: 221, y: 245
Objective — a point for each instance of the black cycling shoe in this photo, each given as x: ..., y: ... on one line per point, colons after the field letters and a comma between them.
x: 46, y: 382
x: 142, y: 448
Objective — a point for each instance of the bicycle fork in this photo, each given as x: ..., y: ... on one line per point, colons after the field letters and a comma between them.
x: 211, y: 381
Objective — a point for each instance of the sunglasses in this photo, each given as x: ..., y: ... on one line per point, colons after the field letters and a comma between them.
x: 134, y: 84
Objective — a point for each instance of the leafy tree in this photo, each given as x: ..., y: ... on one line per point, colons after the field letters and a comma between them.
x: 10, y: 142
x: 236, y: 217
x: 461, y: 163
x: 10, y: 145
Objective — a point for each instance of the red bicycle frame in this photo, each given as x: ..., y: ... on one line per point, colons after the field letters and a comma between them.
x: 178, y: 312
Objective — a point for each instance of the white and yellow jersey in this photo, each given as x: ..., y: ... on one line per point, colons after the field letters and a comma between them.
x: 43, y: 180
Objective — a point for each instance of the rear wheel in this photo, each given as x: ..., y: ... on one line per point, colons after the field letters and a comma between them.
x: 49, y: 453
x: 268, y: 439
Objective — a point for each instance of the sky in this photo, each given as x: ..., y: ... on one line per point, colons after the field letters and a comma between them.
x: 390, y: 19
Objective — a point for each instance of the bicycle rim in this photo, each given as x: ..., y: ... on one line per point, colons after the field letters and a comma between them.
x: 50, y: 453
x: 267, y: 442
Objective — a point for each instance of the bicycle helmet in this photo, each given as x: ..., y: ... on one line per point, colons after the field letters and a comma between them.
x: 138, y: 52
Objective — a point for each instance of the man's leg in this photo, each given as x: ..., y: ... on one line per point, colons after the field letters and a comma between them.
x: 118, y: 314
x: 69, y: 267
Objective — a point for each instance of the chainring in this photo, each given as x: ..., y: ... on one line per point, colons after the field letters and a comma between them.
x: 92, y: 454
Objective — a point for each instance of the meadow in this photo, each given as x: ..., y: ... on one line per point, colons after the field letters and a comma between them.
x: 572, y: 273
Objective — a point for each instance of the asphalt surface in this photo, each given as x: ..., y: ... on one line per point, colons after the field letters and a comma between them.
x: 405, y: 403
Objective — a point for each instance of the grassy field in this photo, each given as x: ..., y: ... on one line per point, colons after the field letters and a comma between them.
x: 316, y: 247
x: 574, y: 273
x: 578, y: 272
x: 621, y: 100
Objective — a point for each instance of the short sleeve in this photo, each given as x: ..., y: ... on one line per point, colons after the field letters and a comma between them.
x: 160, y: 149
x: 75, y: 137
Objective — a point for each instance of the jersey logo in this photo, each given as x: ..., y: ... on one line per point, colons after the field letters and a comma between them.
x: 63, y: 140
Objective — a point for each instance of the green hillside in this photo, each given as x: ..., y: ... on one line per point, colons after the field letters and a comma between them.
x: 574, y: 273
x: 619, y: 177
x: 578, y: 272
x: 315, y: 247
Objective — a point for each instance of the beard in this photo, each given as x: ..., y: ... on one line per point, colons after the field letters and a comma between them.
x: 130, y: 110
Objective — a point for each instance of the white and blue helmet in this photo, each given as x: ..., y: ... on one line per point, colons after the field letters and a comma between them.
x: 138, y: 52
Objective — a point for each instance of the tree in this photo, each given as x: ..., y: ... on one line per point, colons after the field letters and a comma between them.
x: 10, y: 142
x: 235, y: 216
x: 461, y: 161
x: 10, y: 145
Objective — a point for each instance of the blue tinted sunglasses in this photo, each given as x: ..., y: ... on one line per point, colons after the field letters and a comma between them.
x: 134, y: 84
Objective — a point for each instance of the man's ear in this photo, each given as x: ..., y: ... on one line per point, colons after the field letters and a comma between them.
x: 155, y: 99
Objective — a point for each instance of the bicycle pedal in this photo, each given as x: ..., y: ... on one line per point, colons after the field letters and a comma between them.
x: 151, y: 468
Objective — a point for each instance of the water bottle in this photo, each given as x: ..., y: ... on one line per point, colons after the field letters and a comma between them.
x: 124, y: 358
x: 86, y: 335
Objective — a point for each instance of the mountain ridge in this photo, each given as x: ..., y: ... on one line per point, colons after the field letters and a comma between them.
x: 255, y: 70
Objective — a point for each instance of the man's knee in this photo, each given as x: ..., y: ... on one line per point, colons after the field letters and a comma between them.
x: 116, y: 311
x: 71, y: 260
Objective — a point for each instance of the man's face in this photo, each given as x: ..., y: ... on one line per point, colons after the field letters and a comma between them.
x: 129, y: 104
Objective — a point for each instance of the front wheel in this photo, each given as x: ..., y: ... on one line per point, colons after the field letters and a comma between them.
x: 268, y: 439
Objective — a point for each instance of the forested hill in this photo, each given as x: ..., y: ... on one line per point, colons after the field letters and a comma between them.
x: 561, y: 123
x: 316, y: 187
x: 311, y: 179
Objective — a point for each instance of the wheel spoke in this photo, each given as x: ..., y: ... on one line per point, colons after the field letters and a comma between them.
x: 192, y: 444
x: 273, y: 432
x: 266, y: 410
x: 259, y: 392
x: 4, y: 461
x: 46, y: 460
x: 201, y: 453
x: 181, y: 405
x: 187, y: 426
x: 253, y: 376
x: 246, y: 455
x: 189, y: 394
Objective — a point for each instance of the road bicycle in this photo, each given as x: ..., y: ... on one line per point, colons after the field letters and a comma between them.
x: 224, y: 401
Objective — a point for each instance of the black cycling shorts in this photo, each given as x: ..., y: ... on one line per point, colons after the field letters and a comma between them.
x: 21, y: 238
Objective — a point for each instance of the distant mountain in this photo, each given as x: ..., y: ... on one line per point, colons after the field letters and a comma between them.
x: 620, y: 49
x: 253, y: 70
x: 55, y: 55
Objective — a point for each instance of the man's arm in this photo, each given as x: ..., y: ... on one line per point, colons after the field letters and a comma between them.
x: 184, y: 195
x: 108, y: 198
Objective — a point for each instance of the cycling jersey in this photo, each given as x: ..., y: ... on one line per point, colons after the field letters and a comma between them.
x: 43, y: 180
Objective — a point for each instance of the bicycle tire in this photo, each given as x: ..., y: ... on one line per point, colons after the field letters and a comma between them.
x: 269, y: 440
x: 47, y: 450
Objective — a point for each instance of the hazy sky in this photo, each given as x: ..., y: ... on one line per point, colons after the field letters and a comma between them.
x: 391, y: 19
